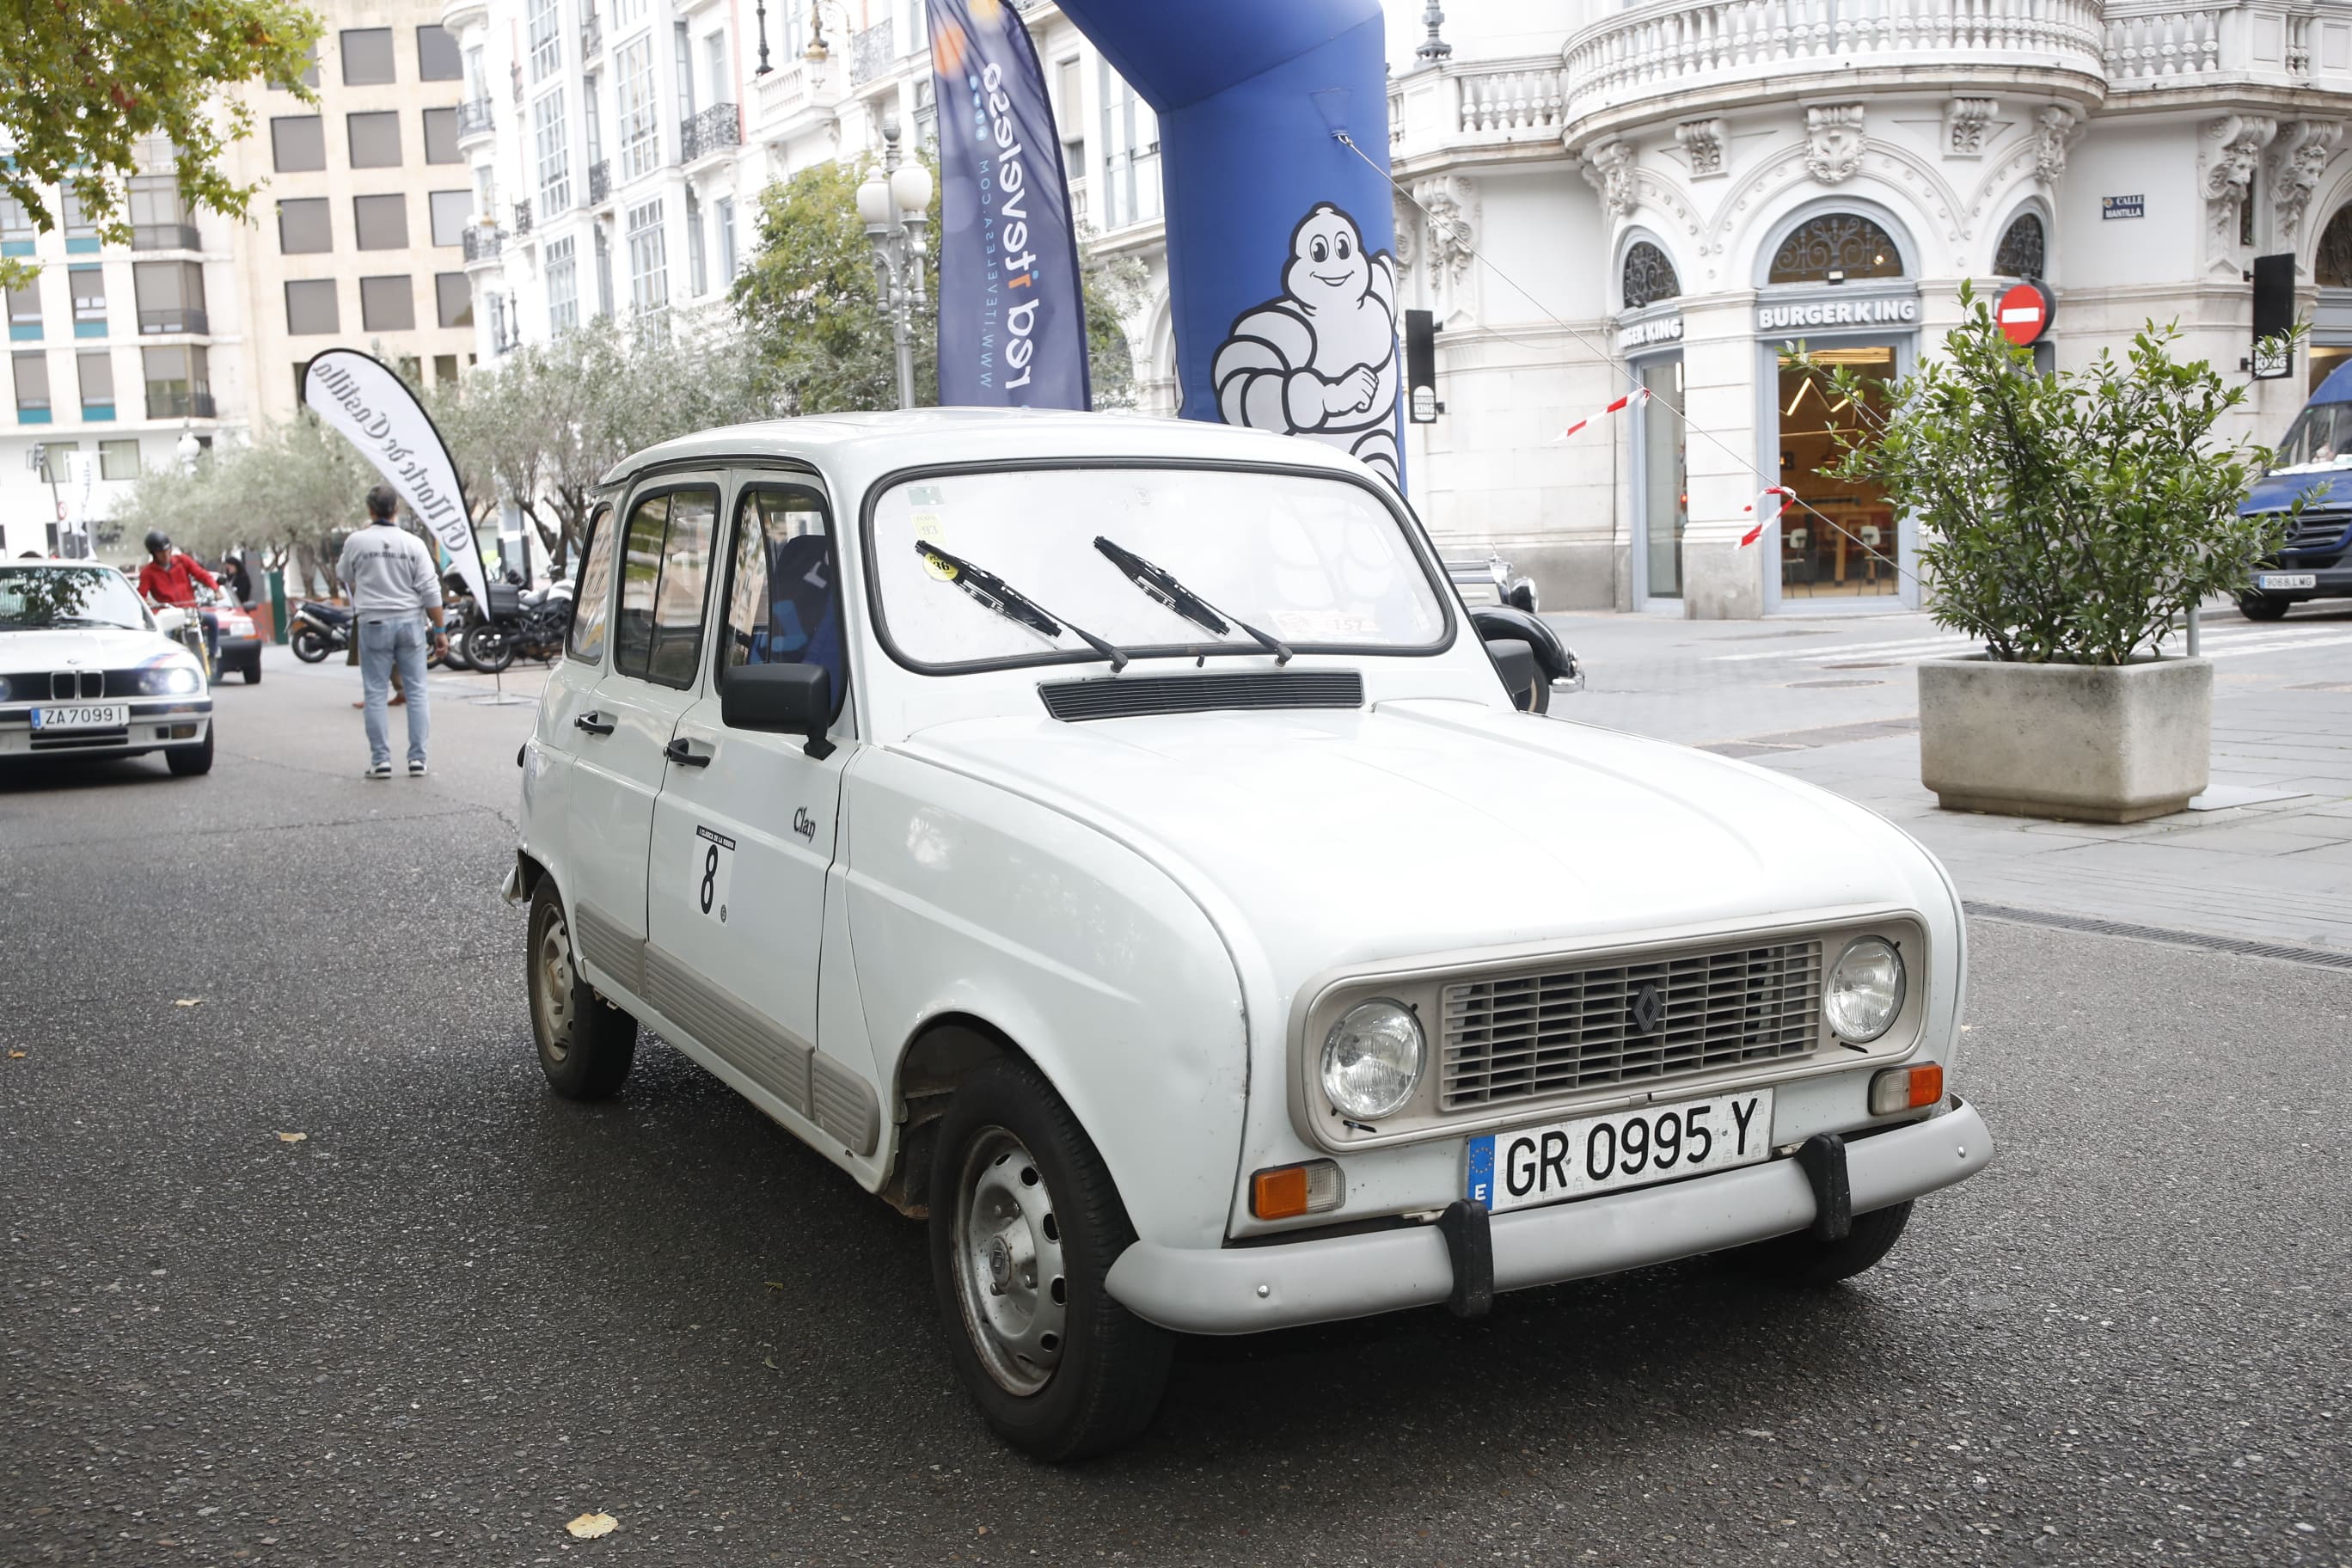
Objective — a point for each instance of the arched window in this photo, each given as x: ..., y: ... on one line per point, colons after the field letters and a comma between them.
x: 2334, y: 267
x: 1649, y: 275
x: 2023, y: 251
x: 1834, y: 247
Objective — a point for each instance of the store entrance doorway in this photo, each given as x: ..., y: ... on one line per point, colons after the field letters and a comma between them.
x: 1844, y: 542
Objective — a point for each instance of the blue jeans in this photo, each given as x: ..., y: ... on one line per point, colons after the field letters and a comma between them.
x: 384, y: 641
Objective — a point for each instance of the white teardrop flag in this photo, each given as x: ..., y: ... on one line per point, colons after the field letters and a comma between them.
x: 360, y: 395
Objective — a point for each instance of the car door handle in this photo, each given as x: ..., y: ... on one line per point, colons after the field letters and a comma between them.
x: 681, y: 751
x: 594, y: 723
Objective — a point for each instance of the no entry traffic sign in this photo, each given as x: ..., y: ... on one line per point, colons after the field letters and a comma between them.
x: 2024, y: 313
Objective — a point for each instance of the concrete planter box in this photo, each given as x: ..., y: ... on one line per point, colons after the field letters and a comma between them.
x: 2089, y: 742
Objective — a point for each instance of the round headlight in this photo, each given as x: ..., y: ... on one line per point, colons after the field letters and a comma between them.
x: 181, y: 679
x: 1865, y: 993
x: 1372, y: 1060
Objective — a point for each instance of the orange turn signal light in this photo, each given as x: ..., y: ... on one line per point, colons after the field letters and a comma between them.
x: 1898, y: 1090
x: 1288, y: 1191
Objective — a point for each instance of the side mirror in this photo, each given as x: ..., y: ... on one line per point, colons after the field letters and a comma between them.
x: 781, y: 699
x: 1528, y: 654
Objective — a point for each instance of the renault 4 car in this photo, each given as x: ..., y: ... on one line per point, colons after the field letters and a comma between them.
x: 85, y: 672
x: 1054, y: 821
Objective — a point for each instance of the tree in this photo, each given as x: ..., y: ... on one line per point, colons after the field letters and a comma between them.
x: 811, y: 304
x: 84, y: 82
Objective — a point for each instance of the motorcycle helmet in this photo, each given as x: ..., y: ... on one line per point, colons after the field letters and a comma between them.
x: 158, y: 540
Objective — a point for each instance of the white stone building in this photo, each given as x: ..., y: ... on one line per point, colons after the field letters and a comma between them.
x: 1658, y: 196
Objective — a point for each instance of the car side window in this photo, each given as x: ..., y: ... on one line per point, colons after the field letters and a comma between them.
x: 665, y: 568
x: 592, y: 601
x: 784, y: 602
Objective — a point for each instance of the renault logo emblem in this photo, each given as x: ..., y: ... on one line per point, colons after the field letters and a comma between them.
x: 1649, y: 1009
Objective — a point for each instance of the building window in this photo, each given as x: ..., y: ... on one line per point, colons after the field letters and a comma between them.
x: 546, y: 39
x: 1834, y: 247
x: 445, y: 368
x: 95, y: 370
x: 170, y: 296
x: 436, y: 55
x: 1069, y: 115
x: 726, y: 239
x: 682, y: 58
x: 25, y: 310
x: 179, y: 382
x: 2021, y: 252
x: 387, y: 304
x: 380, y: 222
x: 562, y: 287
x: 1649, y: 275
x: 2332, y: 267
x: 441, y: 137
x: 160, y: 219
x: 15, y: 226
x: 554, y: 153
x: 1129, y: 172
x: 451, y: 211
x: 697, y: 272
x: 648, y: 261
x: 310, y: 308
x: 453, y: 299
x: 640, y: 132
x: 88, y: 287
x: 375, y: 139
x: 303, y: 226
x: 117, y: 460
x: 603, y: 275
x: 310, y: 77
x: 32, y: 388
x: 367, y: 56
x: 298, y: 143
x: 626, y: 13
x: 56, y: 461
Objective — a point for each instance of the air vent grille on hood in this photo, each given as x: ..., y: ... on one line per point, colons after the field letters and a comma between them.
x: 1127, y: 696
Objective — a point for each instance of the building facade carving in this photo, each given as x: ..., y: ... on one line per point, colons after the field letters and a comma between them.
x: 1965, y: 120
x: 1608, y: 169
x: 1833, y: 142
x: 2297, y: 157
x: 1702, y: 142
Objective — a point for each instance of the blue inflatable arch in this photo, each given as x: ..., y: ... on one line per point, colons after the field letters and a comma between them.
x: 1280, y: 239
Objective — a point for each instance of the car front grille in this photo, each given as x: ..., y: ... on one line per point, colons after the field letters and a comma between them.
x: 2318, y: 530
x: 1524, y: 1036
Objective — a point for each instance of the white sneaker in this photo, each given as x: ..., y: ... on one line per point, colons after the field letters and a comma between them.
x: 378, y: 771
x: 416, y: 770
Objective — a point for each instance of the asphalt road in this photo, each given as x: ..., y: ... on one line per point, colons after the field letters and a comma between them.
x: 460, y: 1312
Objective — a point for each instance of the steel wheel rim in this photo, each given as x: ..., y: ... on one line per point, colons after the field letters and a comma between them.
x: 552, y: 966
x: 1009, y: 1268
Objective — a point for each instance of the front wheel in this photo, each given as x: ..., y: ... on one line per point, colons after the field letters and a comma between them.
x: 1025, y: 1225
x: 187, y: 761
x: 253, y: 670
x: 2262, y: 606
x: 585, y: 1045
x: 309, y: 647
x: 489, y: 649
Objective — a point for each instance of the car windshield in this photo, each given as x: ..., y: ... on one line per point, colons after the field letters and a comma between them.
x: 36, y: 597
x: 2320, y: 437
x: 1316, y: 563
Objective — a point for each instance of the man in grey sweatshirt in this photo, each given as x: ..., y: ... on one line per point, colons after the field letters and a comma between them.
x: 389, y: 576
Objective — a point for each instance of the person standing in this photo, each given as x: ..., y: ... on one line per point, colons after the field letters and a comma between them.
x: 239, y: 580
x: 389, y: 575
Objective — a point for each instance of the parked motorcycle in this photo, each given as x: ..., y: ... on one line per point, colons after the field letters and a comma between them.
x: 520, y: 622
x: 457, y: 618
x: 319, y: 629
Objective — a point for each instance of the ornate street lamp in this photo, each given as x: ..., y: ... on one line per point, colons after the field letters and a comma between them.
x: 895, y: 202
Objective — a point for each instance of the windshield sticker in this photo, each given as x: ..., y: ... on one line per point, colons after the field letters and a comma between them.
x: 926, y: 495
x: 929, y: 528
x: 1325, y: 625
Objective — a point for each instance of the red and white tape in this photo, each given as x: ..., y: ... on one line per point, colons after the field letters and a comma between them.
x: 1639, y: 395
x: 1757, y: 532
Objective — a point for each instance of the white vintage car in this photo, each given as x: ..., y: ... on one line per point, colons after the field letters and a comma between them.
x: 85, y: 671
x: 1055, y: 820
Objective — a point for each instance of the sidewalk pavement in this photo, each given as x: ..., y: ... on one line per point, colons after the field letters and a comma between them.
x: 2267, y: 858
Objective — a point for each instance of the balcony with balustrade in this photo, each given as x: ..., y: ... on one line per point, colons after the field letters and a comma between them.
x: 164, y: 237
x: 521, y: 223
x: 592, y: 37
x: 709, y: 132
x: 1688, y: 58
x: 600, y: 182
x: 2159, y: 48
x: 475, y: 120
x: 872, y: 52
x: 483, y: 244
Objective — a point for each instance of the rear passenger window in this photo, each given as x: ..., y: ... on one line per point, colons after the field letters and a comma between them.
x: 591, y: 602
x: 665, y: 567
x: 783, y: 604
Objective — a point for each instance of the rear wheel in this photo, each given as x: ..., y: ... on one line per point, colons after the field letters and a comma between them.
x: 187, y: 761
x: 489, y: 650
x: 1807, y: 1261
x: 309, y: 647
x: 2262, y: 606
x: 585, y: 1044
x: 253, y: 669
x: 1025, y: 1225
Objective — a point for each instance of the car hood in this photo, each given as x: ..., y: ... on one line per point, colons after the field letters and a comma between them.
x: 2327, y: 487
x: 1425, y: 826
x: 88, y: 647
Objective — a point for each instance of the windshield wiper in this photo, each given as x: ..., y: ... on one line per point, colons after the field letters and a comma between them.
x: 996, y: 594
x: 1161, y: 586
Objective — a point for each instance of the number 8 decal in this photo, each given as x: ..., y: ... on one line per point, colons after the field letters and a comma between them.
x: 709, y: 877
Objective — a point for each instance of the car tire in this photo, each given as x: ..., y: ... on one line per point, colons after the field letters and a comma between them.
x: 585, y: 1044
x: 309, y: 647
x: 2262, y: 606
x: 489, y: 650
x: 1011, y: 1155
x: 253, y: 670
x: 187, y: 761
x: 1807, y: 1262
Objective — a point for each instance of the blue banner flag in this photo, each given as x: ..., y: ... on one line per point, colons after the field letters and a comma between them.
x: 1012, y: 329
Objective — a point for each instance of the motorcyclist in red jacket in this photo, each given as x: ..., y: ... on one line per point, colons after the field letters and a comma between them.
x: 170, y: 577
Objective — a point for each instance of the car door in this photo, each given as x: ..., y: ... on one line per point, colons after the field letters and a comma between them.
x: 571, y: 690
x: 665, y: 542
x: 745, y: 829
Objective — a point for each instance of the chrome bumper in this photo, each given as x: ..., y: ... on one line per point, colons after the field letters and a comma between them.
x: 1246, y: 1290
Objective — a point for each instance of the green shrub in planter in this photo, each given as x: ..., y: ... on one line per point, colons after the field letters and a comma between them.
x: 2065, y: 518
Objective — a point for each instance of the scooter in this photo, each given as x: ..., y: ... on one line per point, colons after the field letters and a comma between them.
x: 319, y: 629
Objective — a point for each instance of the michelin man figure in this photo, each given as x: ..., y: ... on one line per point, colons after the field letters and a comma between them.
x: 1320, y: 360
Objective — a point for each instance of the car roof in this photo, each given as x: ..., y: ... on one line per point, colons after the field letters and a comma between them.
x: 862, y: 445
